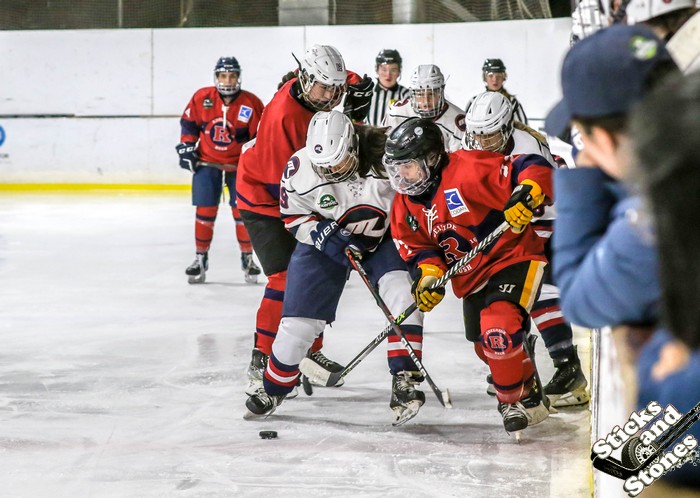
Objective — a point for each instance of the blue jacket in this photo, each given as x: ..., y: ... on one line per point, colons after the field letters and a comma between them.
x: 605, y: 267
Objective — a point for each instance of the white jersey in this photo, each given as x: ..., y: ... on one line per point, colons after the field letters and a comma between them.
x: 526, y: 143
x: 360, y: 205
x: 450, y: 121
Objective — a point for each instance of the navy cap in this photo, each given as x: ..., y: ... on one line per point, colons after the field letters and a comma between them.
x: 605, y: 74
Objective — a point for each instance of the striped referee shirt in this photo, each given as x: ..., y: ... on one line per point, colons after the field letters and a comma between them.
x: 382, y: 99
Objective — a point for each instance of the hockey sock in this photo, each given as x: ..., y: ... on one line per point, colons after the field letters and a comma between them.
x: 204, y: 227
x: 398, y: 357
x: 555, y: 331
x: 270, y: 312
x: 241, y: 232
x: 280, y: 378
x: 502, y: 337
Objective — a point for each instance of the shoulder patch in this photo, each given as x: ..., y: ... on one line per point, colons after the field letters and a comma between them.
x: 412, y: 222
x: 455, y: 203
x: 460, y: 123
x: 245, y: 113
x: 207, y: 104
x: 327, y: 201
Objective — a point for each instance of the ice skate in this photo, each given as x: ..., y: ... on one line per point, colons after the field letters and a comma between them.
x: 326, y: 364
x: 197, y: 271
x: 261, y: 404
x: 568, y: 385
x: 406, y: 400
x: 250, y: 269
x: 525, y: 413
x: 256, y: 369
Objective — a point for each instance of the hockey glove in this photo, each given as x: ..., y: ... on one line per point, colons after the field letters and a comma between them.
x: 188, y: 155
x: 427, y: 299
x: 525, y: 198
x: 332, y: 240
x: 358, y: 99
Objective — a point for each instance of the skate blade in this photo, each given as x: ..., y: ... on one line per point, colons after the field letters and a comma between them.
x: 537, y: 415
x: 251, y: 279
x: 197, y: 279
x: 403, y: 414
x: 248, y: 415
x: 577, y: 397
x: 317, y: 375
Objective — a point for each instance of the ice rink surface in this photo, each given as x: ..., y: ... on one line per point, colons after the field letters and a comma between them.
x: 118, y: 379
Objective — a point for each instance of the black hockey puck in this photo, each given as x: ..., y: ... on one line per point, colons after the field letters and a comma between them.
x: 268, y: 434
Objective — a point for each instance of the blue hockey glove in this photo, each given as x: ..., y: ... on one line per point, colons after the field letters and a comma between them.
x: 188, y: 155
x: 332, y: 240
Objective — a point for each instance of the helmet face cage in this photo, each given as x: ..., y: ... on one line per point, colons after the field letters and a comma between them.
x: 322, y: 77
x: 413, y: 149
x: 489, y: 123
x: 408, y: 176
x: 332, y: 146
x: 427, y: 91
x: 227, y: 65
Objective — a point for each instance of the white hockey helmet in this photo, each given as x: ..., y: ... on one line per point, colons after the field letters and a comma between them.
x: 324, y: 66
x: 332, y: 146
x: 427, y: 87
x: 644, y: 10
x: 489, y: 122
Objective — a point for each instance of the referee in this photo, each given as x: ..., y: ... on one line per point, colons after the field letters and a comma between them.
x: 387, y: 90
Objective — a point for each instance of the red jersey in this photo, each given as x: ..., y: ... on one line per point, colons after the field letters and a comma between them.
x: 466, y: 206
x: 281, y: 133
x: 221, y: 130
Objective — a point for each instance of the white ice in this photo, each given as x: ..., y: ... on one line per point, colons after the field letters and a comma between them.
x: 118, y: 379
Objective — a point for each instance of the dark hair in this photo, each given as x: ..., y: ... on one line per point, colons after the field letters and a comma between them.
x: 664, y: 130
x: 290, y: 75
x: 371, y: 141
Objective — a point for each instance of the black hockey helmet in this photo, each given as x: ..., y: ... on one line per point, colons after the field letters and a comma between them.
x: 227, y: 65
x: 414, y: 151
x: 388, y: 56
x: 493, y: 66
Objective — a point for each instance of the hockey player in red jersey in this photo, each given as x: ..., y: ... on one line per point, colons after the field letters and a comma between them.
x: 216, y: 123
x: 446, y: 204
x: 320, y: 86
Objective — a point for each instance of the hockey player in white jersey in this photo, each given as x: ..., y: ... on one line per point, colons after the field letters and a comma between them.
x: 427, y: 100
x: 335, y: 196
x: 491, y: 126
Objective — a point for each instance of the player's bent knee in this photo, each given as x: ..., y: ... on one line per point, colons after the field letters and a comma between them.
x: 294, y: 338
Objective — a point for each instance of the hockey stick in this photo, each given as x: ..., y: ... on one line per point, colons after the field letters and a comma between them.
x: 615, y: 468
x: 324, y: 377
x: 530, y: 351
x: 442, y: 396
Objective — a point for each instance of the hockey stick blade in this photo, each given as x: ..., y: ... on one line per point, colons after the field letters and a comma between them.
x: 316, y: 373
x: 332, y: 378
x: 443, y: 397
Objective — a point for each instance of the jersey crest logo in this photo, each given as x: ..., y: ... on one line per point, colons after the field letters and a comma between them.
x: 207, y: 104
x: 431, y: 215
x: 412, y: 222
x: 455, y: 203
x: 327, y: 201
x: 245, y: 113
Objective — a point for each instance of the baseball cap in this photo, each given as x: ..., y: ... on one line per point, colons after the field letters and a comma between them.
x: 605, y: 74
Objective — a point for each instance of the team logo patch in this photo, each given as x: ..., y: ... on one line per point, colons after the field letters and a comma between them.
x: 207, y: 104
x: 412, y: 222
x: 327, y: 201
x: 455, y: 203
x: 245, y: 113
x: 496, y: 340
